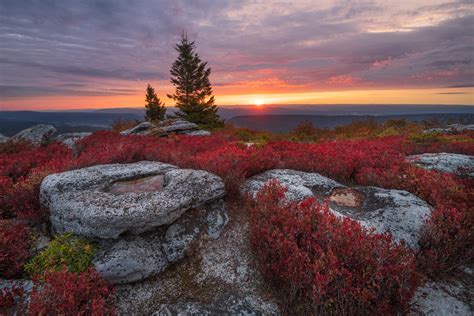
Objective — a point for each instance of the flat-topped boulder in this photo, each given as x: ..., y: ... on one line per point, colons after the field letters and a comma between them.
x: 106, y: 201
x: 176, y: 125
x: 166, y: 127
x: 398, y: 212
x: 37, y: 135
x: 445, y: 162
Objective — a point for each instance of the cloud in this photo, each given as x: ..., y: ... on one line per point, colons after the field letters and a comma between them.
x: 295, y: 45
x: 33, y: 91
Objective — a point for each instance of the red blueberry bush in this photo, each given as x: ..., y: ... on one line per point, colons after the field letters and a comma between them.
x: 446, y: 240
x: 324, y: 264
x: 14, y: 248
x: 70, y: 293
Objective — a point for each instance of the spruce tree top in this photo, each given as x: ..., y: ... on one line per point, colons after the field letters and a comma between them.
x: 193, y: 90
x: 155, y: 109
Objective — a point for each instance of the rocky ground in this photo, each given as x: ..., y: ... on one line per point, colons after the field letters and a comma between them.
x: 173, y: 243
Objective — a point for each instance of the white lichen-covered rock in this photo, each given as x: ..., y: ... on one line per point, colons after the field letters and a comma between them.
x: 228, y: 304
x: 176, y: 125
x: 211, y: 268
x: 445, y: 162
x: 4, y: 139
x: 441, y: 298
x: 136, y: 257
x: 450, y: 129
x: 106, y: 201
x: 398, y: 212
x: 299, y: 184
x: 37, y: 135
x: 198, y: 133
x: 70, y: 139
x: 143, y: 128
x: 131, y: 259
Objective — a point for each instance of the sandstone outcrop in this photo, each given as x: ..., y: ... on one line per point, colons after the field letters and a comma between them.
x: 398, y: 212
x: 145, y: 215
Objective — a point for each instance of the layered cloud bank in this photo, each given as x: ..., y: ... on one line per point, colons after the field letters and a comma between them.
x: 102, y: 53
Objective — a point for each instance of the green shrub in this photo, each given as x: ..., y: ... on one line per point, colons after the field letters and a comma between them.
x: 64, y: 251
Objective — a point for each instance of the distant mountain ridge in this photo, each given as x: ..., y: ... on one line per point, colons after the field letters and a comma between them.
x: 262, y: 118
x: 286, y: 123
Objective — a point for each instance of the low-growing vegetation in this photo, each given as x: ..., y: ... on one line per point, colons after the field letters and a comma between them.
x: 315, y: 263
x: 326, y: 265
x: 69, y: 293
x: 64, y: 252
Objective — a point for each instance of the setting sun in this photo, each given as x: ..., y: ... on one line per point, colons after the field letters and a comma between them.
x: 258, y: 102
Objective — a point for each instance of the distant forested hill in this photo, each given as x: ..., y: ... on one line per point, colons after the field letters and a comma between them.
x: 285, y: 123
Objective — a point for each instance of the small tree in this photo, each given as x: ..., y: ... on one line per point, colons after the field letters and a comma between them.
x: 193, y: 91
x: 155, y: 109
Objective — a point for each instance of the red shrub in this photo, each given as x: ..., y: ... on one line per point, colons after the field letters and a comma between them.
x: 68, y: 293
x: 8, y: 297
x: 324, y: 264
x: 447, y: 241
x: 14, y: 248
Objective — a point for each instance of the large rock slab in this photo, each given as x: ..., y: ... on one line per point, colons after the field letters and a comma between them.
x: 37, y: 135
x: 398, y: 212
x: 228, y: 304
x: 143, y: 128
x: 452, y: 296
x: 445, y: 162
x: 106, y: 201
x: 213, y: 270
x: 137, y: 257
x: 176, y: 125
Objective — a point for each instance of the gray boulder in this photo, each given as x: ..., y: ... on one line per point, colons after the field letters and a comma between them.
x: 198, y: 133
x: 228, y: 304
x: 3, y: 138
x: 175, y: 125
x: 143, y: 128
x: 70, y: 139
x: 137, y: 257
x: 445, y: 162
x: 453, y: 296
x: 37, y: 135
x: 131, y: 259
x: 106, y: 201
x: 299, y: 184
x: 398, y: 212
x: 450, y: 129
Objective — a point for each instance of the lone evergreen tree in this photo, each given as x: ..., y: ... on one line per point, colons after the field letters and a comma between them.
x: 155, y: 109
x: 193, y: 91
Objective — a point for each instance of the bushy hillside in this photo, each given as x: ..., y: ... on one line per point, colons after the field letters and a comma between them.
x: 328, y: 273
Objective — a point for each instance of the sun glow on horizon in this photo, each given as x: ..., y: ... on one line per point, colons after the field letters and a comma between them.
x: 258, y: 102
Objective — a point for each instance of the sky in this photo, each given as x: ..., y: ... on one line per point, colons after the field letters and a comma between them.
x: 98, y: 54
